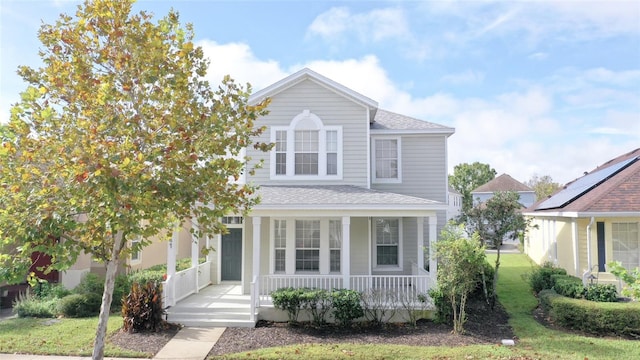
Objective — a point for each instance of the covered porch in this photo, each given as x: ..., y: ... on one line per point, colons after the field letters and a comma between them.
x: 328, y: 237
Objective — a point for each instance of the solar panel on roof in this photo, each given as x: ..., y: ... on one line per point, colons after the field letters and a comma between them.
x: 583, y: 185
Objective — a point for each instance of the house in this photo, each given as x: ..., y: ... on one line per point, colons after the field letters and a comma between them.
x: 455, y: 204
x: 504, y: 182
x: 591, y: 221
x: 352, y: 196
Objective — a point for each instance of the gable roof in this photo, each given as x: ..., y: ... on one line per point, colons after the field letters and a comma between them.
x: 503, y: 182
x: 613, y: 187
x: 308, y: 74
x: 386, y: 120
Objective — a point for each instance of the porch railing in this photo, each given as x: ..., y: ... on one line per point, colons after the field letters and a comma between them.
x: 184, y: 283
x: 385, y: 286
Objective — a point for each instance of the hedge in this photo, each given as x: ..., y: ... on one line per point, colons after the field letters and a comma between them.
x: 599, y: 318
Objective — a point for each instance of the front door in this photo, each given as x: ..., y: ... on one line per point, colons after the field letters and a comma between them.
x: 231, y: 261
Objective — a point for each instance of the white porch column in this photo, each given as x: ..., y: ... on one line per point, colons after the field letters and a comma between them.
x: 346, y: 252
x: 171, y: 269
x: 195, y: 252
x: 420, y: 241
x: 433, y: 261
x: 257, y: 221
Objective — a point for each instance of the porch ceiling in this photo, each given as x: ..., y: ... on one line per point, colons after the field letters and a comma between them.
x: 340, y: 200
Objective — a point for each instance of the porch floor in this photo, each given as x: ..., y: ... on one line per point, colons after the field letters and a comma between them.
x: 221, y: 305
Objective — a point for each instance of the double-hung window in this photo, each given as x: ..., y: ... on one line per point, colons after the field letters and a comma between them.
x: 136, y: 256
x: 386, y: 160
x: 280, y: 244
x: 335, y: 244
x: 387, y: 249
x: 308, y: 245
x: 306, y: 149
x: 626, y: 244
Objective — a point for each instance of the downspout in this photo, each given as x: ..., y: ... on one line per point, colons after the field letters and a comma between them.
x: 589, y: 262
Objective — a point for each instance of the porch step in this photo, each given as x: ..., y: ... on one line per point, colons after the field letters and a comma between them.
x: 238, y: 316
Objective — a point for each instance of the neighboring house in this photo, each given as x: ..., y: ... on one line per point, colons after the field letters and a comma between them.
x: 454, y: 208
x: 504, y: 182
x: 591, y: 221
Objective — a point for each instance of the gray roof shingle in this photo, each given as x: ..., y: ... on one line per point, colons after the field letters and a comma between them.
x: 387, y: 120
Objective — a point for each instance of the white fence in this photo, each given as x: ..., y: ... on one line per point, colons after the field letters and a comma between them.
x: 186, y: 282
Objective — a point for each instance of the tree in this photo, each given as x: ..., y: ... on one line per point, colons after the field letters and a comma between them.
x: 498, y: 218
x: 467, y: 177
x: 119, y: 137
x: 544, y: 186
x: 460, y: 260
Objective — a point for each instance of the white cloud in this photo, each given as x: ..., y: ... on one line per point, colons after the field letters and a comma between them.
x: 375, y: 25
x: 539, y: 56
x: 465, y: 77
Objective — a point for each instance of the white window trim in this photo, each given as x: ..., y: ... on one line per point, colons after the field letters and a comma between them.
x: 290, y: 250
x: 377, y: 267
x: 322, y: 150
x: 133, y: 261
x: 375, y: 179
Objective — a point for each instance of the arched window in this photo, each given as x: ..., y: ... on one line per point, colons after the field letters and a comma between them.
x: 306, y: 149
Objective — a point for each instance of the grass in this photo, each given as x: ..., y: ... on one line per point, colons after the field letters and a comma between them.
x: 534, y: 340
x: 75, y: 336
x: 72, y: 337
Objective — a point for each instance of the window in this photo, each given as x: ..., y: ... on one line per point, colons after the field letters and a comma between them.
x: 332, y: 152
x: 386, y: 164
x: 308, y: 245
x: 232, y: 220
x: 387, y: 242
x: 306, y: 152
x: 280, y: 240
x: 306, y: 149
x: 335, y: 243
x: 136, y: 256
x: 281, y: 152
x: 626, y: 244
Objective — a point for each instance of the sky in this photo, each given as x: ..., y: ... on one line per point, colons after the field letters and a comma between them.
x: 531, y: 88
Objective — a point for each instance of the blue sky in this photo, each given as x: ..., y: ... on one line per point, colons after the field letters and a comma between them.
x: 546, y: 87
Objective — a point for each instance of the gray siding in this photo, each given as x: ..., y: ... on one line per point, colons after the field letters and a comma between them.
x: 424, y: 168
x: 333, y: 110
x: 359, y: 245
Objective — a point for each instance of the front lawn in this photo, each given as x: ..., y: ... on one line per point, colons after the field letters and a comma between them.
x: 73, y: 337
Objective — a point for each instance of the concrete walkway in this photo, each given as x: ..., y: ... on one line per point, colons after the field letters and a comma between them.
x: 188, y: 344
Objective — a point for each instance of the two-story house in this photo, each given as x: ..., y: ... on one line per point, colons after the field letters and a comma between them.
x: 352, y: 196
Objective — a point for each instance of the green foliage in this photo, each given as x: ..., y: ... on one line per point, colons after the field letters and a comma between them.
x: 93, y: 284
x: 546, y: 297
x: 347, y: 306
x: 601, y: 293
x: 460, y: 260
x: 142, y: 308
x: 289, y: 300
x: 28, y: 305
x: 544, y: 186
x: 144, y: 276
x: 46, y: 290
x: 444, y: 312
x: 567, y: 285
x: 80, y: 305
x: 318, y: 303
x: 599, y: 318
x: 540, y: 276
x: 379, y: 305
x: 630, y: 278
x: 467, y: 177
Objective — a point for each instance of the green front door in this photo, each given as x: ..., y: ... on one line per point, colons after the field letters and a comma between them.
x: 231, y: 256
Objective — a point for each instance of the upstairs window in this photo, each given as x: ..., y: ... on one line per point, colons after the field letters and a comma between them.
x: 306, y: 149
x: 386, y: 160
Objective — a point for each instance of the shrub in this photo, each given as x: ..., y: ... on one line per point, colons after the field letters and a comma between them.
x: 601, y: 293
x: 28, y: 305
x: 144, y: 276
x: 630, y: 278
x: 289, y: 300
x: 94, y: 284
x: 444, y: 312
x: 346, y: 306
x: 540, y: 277
x: 603, y: 319
x: 90, y: 283
x: 142, y: 308
x: 80, y: 305
x: 47, y: 290
x: 567, y: 285
x: 318, y: 302
x: 546, y: 297
x: 379, y: 305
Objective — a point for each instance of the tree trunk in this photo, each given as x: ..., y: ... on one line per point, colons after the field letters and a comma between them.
x: 107, y: 297
x: 495, y: 279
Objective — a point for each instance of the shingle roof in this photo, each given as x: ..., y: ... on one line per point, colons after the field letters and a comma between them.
x: 617, y: 193
x: 387, y: 120
x: 503, y: 182
x: 338, y: 197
